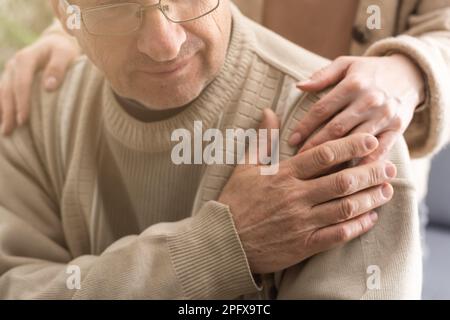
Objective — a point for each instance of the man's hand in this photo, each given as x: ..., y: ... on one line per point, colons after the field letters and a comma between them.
x: 286, y: 218
x: 52, y: 53
x: 374, y: 95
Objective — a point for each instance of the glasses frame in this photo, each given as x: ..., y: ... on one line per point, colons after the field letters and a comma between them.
x: 142, y: 8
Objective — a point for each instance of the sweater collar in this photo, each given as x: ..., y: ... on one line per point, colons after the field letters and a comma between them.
x: 156, y: 136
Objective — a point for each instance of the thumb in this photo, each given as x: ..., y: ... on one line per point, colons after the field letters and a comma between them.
x: 327, y: 76
x: 268, y: 124
x: 270, y: 120
x: 259, y: 149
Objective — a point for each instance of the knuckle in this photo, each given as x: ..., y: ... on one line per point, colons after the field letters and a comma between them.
x: 320, y: 73
x: 345, y: 183
x: 376, y: 174
x: 343, y: 233
x: 314, y: 240
x: 375, y: 98
x: 355, y: 145
x: 292, y: 197
x: 356, y: 83
x: 374, y: 199
x: 347, y: 209
x: 363, y: 226
x: 389, y: 110
x: 323, y: 156
x: 397, y: 123
x: 337, y: 129
x: 290, y: 169
x: 319, y: 110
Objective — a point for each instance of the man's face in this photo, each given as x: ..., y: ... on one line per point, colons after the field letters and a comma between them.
x: 162, y: 65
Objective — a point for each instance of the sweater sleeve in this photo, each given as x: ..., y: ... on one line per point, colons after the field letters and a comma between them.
x: 427, y: 43
x: 198, y: 257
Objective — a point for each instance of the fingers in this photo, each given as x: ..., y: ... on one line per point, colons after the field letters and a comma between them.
x: 323, y: 110
x: 268, y: 139
x: 55, y: 71
x: 350, y: 181
x: 350, y: 207
x: 330, y: 237
x: 327, y: 76
x: 23, y: 81
x: 1, y: 109
x: 338, y: 127
x: 316, y: 161
x: 387, y: 141
x: 7, y: 103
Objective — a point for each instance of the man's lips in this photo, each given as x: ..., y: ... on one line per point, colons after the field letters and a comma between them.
x: 167, y: 69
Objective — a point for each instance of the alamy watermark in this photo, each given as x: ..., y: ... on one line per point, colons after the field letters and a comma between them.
x: 227, y: 149
x: 374, y: 279
x: 73, y: 21
x: 73, y: 281
x: 374, y: 19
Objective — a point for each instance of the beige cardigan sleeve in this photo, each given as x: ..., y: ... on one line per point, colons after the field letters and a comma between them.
x: 199, y: 257
x: 427, y: 43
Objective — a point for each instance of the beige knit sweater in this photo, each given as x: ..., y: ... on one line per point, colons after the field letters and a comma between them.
x: 87, y: 186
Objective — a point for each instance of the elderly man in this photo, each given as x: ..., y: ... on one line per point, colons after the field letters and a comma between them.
x: 92, y: 205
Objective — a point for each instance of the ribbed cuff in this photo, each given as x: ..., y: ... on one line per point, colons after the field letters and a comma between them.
x: 433, y: 114
x: 209, y: 259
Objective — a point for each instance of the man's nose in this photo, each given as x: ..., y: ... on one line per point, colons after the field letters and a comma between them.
x: 159, y: 38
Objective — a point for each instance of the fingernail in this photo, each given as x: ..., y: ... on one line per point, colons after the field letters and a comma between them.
x: 390, y: 170
x: 374, y: 216
x: 387, y: 191
x: 50, y: 83
x: 295, y: 139
x: 371, y: 142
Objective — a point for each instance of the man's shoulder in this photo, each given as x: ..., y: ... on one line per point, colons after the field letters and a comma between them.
x: 289, y: 64
x: 56, y: 116
x: 81, y: 80
x: 282, y: 54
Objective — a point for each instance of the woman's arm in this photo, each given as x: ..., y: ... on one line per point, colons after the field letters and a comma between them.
x: 400, y: 79
x: 427, y: 44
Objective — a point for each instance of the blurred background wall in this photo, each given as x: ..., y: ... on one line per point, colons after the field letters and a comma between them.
x: 21, y: 21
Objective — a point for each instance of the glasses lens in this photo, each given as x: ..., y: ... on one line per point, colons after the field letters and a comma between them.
x: 112, y: 20
x: 184, y: 10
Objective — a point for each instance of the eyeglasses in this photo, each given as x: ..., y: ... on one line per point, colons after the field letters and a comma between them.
x: 124, y: 18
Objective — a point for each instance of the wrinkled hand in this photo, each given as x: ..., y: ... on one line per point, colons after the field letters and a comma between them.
x: 301, y: 211
x: 52, y: 53
x: 375, y: 95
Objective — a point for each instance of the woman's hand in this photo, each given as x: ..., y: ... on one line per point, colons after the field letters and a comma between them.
x: 375, y: 95
x: 52, y: 53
